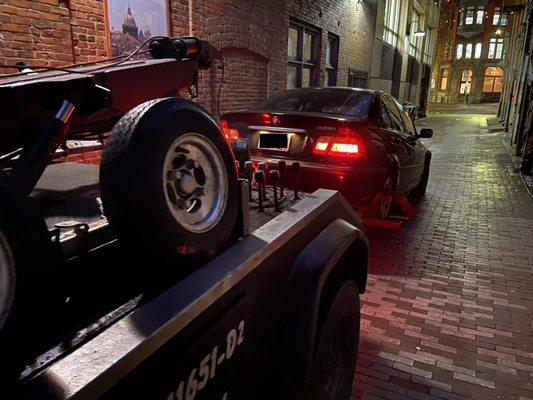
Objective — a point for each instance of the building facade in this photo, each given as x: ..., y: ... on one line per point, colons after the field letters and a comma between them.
x: 268, y: 45
x: 516, y: 105
x: 473, y: 40
x: 404, y: 49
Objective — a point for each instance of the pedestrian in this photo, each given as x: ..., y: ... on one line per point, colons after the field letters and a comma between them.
x: 468, y: 100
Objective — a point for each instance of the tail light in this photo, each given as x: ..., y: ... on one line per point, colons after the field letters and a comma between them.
x: 266, y: 119
x: 229, y: 133
x: 346, y: 143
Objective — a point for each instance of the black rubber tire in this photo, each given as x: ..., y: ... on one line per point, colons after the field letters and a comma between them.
x: 336, y: 355
x: 33, y: 257
x: 420, y: 190
x: 131, y: 180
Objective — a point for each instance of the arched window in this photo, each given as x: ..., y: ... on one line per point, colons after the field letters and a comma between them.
x: 493, y: 82
x: 444, y: 79
x: 477, y: 53
x: 468, y: 52
x: 466, y: 82
x: 459, y: 51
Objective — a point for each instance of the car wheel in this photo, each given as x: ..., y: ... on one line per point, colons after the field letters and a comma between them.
x: 169, y: 182
x: 386, y: 198
x: 336, y: 354
x: 420, y: 189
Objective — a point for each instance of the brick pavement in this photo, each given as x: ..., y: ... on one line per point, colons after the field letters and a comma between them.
x: 449, y: 308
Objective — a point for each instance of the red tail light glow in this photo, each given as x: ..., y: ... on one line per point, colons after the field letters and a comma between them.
x: 266, y: 119
x: 229, y: 133
x: 346, y: 143
x: 322, y: 145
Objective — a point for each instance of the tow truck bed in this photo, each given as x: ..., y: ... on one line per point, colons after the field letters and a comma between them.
x: 224, y: 331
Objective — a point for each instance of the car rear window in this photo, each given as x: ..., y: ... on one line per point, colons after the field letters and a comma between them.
x: 328, y: 101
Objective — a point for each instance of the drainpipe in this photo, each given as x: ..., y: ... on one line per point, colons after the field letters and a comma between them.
x: 190, y: 17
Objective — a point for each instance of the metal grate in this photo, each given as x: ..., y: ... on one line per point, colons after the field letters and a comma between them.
x: 387, y: 62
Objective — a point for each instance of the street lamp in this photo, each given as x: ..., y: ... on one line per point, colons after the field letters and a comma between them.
x: 418, y: 32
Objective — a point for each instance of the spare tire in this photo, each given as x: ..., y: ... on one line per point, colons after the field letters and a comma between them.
x: 169, y: 182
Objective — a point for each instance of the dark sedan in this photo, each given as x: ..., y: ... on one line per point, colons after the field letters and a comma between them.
x: 360, y: 142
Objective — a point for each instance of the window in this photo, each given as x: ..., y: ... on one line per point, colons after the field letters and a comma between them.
x: 302, y: 54
x: 469, y: 15
x: 354, y: 103
x: 496, y: 48
x: 430, y: 45
x: 468, y: 52
x: 503, y: 19
x: 472, y: 15
x: 357, y: 79
x: 332, y: 59
x: 408, y: 125
x: 466, y: 81
x: 480, y: 15
x: 459, y: 52
x: 392, y: 21
x: 477, y: 53
x: 493, y: 82
x: 499, y: 17
x: 444, y: 79
x: 415, y: 42
x: 394, y: 114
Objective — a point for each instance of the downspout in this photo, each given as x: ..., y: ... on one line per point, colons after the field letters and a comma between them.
x: 190, y: 18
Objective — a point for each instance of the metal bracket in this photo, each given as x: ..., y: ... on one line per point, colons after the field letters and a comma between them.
x: 244, y: 208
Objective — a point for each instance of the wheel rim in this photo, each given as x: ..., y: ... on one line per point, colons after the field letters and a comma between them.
x: 7, y: 279
x: 195, y: 183
x: 386, y: 198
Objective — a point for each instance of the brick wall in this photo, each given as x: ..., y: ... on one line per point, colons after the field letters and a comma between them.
x: 251, y: 33
x: 51, y: 32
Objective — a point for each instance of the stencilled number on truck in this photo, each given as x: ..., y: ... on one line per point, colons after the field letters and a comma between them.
x: 207, y: 369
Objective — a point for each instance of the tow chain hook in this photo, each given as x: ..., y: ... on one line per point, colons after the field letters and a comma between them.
x: 80, y: 229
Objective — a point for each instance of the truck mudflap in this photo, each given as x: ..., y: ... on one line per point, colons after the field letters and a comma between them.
x: 213, y: 334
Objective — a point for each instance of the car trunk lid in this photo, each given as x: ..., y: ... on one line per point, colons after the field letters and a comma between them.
x: 287, y: 135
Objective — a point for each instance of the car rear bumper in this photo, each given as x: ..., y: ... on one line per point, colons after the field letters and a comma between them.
x: 358, y: 184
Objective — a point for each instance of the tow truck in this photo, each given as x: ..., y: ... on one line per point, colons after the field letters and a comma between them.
x: 159, y: 273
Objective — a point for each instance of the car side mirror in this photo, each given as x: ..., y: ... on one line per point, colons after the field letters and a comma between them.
x: 425, y: 133
x: 410, y: 109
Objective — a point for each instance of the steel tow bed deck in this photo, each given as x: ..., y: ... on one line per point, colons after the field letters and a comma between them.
x: 247, y: 325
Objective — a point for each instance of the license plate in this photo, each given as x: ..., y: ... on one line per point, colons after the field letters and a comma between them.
x: 274, y: 141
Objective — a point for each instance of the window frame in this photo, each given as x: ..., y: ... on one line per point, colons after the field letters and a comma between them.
x: 394, y: 115
x: 332, y: 69
x: 477, y: 55
x: 459, y: 53
x: 391, y: 21
x: 415, y: 41
x: 492, y: 78
x: 499, y: 17
x: 471, y: 9
x: 481, y: 9
x: 496, y: 45
x: 466, y: 82
x: 468, y: 51
x: 478, y: 13
x: 299, y: 62
x: 444, y: 76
